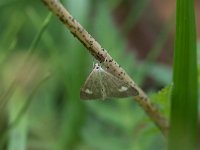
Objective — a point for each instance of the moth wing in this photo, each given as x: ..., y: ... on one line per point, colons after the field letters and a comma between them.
x: 115, y: 87
x: 92, y: 87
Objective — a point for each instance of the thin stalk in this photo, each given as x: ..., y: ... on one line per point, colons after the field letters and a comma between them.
x: 101, y: 55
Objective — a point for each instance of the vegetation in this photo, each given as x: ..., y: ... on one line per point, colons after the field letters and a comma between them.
x: 184, y: 110
x: 42, y: 68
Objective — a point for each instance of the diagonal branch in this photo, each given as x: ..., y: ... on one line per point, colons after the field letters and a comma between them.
x: 103, y: 57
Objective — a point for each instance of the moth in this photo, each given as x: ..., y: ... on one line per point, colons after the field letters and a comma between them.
x: 101, y: 84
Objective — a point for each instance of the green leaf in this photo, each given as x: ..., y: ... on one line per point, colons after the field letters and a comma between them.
x: 184, y: 101
x: 162, y: 100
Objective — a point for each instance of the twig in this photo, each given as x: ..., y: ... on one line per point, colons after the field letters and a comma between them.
x: 103, y: 57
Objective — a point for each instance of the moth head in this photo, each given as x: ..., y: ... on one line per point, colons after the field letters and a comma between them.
x: 97, y: 67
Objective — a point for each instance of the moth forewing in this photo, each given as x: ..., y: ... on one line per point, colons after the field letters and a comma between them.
x: 91, y: 88
x: 117, y: 88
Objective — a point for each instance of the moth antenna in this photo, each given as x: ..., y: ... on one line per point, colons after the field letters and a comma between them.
x: 93, y: 62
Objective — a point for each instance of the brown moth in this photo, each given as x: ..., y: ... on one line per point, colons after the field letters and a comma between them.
x: 101, y: 84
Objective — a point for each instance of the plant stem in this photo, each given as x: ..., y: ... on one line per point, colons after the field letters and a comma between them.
x: 103, y: 57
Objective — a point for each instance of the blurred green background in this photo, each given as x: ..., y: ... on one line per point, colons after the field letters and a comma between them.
x: 40, y: 108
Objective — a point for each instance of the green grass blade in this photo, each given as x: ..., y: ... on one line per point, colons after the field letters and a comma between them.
x: 184, y: 101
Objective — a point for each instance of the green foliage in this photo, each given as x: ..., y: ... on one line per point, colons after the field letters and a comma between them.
x: 48, y: 114
x: 162, y: 100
